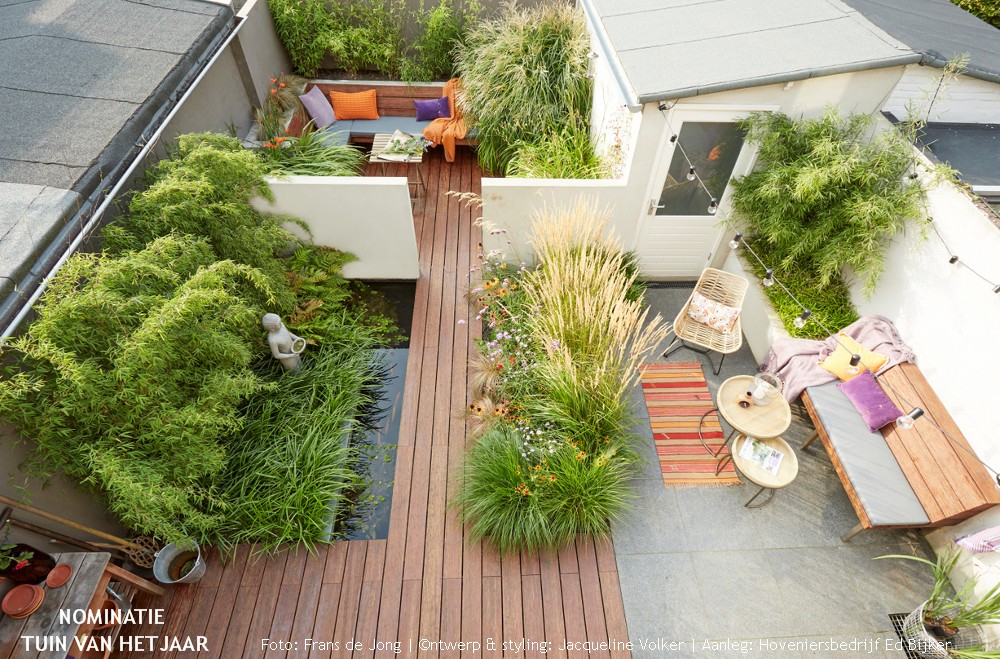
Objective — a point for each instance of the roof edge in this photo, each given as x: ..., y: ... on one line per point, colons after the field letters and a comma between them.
x: 632, y: 99
x: 939, y: 61
x: 806, y: 74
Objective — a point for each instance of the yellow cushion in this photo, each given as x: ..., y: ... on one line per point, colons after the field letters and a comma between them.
x: 358, y: 105
x: 840, y: 359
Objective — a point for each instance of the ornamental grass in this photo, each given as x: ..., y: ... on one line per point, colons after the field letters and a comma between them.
x: 555, y: 449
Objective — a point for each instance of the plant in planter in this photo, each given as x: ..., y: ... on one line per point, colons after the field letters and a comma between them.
x: 948, y: 623
x: 23, y: 563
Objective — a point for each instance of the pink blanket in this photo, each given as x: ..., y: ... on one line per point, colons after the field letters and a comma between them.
x: 796, y: 361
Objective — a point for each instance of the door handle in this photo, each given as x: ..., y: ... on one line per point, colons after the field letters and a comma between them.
x: 653, y: 206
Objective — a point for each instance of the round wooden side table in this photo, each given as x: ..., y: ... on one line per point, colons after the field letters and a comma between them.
x: 787, y: 470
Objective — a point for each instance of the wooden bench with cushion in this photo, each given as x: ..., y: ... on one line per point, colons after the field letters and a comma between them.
x: 901, y: 478
x: 395, y: 110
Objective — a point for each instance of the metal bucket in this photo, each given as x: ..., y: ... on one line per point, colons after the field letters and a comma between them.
x: 924, y: 644
x: 171, y: 560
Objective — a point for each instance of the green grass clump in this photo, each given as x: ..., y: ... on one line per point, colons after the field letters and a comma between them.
x: 568, y: 153
x: 830, y: 302
x: 308, y: 155
x: 524, y: 74
x: 552, y: 386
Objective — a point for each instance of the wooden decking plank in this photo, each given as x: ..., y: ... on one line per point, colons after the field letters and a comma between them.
x: 392, y: 576
x: 593, y: 602
x: 371, y: 592
x: 325, y: 624
x: 336, y: 559
x: 573, y: 614
x: 614, y: 613
x: 529, y: 562
x: 552, y: 606
x: 451, y: 620
x: 534, y: 621
x: 491, y: 560
x: 567, y: 559
x: 409, y: 616
x: 307, y: 605
x: 288, y: 596
x: 350, y: 592
x: 431, y: 594
x: 513, y: 621
x: 492, y: 616
x: 197, y: 621
x: 218, y: 625
x: 267, y: 600
x: 180, y: 610
x: 472, y: 594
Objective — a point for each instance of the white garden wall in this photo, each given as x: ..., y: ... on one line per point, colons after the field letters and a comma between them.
x: 963, y: 100
x: 370, y: 217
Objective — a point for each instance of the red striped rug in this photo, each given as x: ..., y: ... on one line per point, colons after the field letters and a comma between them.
x: 676, y: 396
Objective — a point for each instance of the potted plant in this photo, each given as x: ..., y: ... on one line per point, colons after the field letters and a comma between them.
x: 23, y: 563
x: 949, y: 624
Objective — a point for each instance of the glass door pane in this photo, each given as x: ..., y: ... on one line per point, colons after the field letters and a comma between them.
x: 712, y: 147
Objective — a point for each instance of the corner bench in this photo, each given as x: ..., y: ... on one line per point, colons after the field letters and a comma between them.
x: 395, y: 109
x: 915, y: 478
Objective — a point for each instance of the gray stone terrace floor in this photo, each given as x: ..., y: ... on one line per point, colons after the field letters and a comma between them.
x: 697, y: 566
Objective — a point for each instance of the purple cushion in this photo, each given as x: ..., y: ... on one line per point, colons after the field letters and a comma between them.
x: 434, y: 109
x: 870, y: 401
x: 318, y: 107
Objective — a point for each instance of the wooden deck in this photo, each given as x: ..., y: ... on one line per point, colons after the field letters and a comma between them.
x: 427, y: 581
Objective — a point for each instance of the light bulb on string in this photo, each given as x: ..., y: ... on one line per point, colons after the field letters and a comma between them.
x: 953, y: 260
x: 769, y: 278
x: 691, y: 175
x: 800, y: 321
x: 996, y: 289
x: 673, y: 138
x: 713, y: 206
x: 905, y: 422
x: 735, y: 242
x: 854, y: 366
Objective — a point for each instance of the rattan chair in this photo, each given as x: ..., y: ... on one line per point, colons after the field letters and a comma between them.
x: 721, y: 287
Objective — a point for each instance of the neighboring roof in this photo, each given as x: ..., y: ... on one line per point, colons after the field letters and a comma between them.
x: 972, y: 149
x: 81, y: 82
x: 940, y: 31
x: 679, y: 48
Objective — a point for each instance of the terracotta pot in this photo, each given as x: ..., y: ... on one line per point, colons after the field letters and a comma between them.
x: 38, y: 567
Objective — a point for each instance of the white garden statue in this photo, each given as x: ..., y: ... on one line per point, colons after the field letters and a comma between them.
x: 285, y: 346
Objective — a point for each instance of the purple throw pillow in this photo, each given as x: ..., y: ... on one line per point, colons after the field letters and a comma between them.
x: 434, y: 109
x: 318, y: 107
x: 870, y: 401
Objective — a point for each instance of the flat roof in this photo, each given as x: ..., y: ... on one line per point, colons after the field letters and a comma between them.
x: 940, y: 31
x: 81, y: 82
x: 679, y: 48
x: 972, y: 149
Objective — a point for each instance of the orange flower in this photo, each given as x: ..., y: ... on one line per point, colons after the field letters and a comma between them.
x: 580, y: 456
x: 714, y: 153
x: 279, y: 140
x: 274, y: 91
x: 274, y: 80
x: 281, y: 84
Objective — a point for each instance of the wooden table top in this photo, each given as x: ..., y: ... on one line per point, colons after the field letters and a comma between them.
x: 75, y: 594
x: 787, y: 470
x: 381, y: 141
x: 760, y: 421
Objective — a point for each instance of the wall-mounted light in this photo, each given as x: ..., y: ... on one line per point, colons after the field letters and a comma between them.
x: 666, y: 105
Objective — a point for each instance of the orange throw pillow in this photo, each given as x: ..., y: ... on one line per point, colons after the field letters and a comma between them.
x: 359, y: 105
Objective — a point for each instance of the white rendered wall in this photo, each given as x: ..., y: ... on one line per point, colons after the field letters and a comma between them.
x: 508, y: 203
x: 368, y: 216
x: 962, y: 100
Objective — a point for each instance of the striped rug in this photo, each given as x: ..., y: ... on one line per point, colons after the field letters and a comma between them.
x: 676, y: 396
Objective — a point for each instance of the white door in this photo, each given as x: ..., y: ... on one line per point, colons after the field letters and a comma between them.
x: 679, y: 234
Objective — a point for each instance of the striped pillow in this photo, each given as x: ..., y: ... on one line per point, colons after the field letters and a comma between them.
x: 359, y: 105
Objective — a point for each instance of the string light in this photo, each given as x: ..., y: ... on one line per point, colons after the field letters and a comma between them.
x: 854, y: 366
x: 673, y: 138
x: 592, y: 55
x: 713, y: 206
x: 692, y: 174
x: 905, y: 422
x: 955, y: 260
x: 768, y: 278
x: 735, y: 242
x: 800, y: 322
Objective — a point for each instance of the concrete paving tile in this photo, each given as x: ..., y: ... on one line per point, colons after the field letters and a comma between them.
x: 715, y: 519
x: 888, y: 585
x: 654, y: 525
x: 741, y: 593
x: 813, y: 582
x: 662, y: 598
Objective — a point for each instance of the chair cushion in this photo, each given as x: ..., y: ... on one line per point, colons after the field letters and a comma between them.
x: 709, y: 312
x: 318, y: 108
x: 839, y: 360
x: 389, y: 125
x: 355, y: 105
x: 336, y: 134
x: 867, y: 460
x: 870, y: 401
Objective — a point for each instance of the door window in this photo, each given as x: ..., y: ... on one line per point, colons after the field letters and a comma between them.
x: 712, y: 147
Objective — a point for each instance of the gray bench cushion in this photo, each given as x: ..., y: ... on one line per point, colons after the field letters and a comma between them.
x: 868, y: 461
x: 388, y: 125
x: 336, y: 134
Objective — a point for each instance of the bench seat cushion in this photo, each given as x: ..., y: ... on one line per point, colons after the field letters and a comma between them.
x: 868, y: 461
x: 369, y: 127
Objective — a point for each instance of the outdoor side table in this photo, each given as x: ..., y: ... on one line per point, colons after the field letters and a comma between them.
x: 379, y: 143
x: 759, y: 421
x: 787, y: 470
